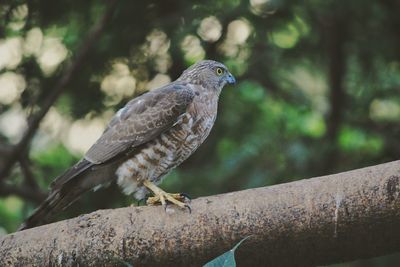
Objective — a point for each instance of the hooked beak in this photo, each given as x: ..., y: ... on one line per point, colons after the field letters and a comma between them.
x: 230, y: 79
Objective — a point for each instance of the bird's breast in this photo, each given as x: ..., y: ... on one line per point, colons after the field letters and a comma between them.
x: 171, y: 148
x: 188, y: 134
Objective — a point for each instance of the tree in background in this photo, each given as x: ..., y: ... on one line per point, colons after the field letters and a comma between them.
x: 318, y: 89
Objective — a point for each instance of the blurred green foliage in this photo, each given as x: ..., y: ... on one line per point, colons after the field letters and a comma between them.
x: 317, y: 93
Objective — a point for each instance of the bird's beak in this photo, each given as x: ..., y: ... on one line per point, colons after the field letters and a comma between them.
x: 230, y: 79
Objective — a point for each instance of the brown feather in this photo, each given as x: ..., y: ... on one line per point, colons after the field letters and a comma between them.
x: 152, y: 134
x: 142, y: 119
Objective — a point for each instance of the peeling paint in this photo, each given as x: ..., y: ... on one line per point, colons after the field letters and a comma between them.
x: 392, y: 187
x: 338, y: 202
x: 59, y: 259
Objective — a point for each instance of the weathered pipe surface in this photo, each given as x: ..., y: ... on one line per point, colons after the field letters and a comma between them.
x: 323, y: 220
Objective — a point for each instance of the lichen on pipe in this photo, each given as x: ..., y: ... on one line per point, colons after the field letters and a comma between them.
x: 323, y: 220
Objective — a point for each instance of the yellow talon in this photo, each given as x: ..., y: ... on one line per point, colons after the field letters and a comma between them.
x: 160, y: 196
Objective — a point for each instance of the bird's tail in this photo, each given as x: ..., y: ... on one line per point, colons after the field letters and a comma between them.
x: 43, y: 212
x: 65, y: 190
x: 57, y: 200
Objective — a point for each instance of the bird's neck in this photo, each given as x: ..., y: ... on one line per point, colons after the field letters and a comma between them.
x: 206, y: 103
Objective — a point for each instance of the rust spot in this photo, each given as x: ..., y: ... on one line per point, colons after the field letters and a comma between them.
x: 392, y: 187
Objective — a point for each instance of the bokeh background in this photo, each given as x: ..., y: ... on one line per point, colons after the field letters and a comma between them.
x: 318, y: 89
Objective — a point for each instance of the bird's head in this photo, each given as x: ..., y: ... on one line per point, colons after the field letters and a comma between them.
x: 211, y: 74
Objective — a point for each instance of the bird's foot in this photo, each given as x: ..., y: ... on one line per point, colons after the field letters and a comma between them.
x: 162, y: 197
x: 156, y: 200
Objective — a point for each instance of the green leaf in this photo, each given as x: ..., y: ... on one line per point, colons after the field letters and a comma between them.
x: 124, y: 263
x: 127, y: 264
x: 227, y: 259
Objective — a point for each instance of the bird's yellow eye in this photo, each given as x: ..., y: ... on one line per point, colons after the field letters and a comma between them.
x: 219, y: 71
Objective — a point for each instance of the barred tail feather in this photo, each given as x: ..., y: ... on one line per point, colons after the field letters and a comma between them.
x: 56, y: 201
x: 65, y: 189
x: 43, y: 212
x: 68, y: 187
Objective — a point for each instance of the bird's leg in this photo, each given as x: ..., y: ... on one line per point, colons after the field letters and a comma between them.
x: 160, y: 196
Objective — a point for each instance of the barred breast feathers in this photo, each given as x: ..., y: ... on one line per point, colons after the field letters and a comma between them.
x: 169, y: 149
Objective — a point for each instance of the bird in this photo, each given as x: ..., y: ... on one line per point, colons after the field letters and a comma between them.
x: 147, y: 138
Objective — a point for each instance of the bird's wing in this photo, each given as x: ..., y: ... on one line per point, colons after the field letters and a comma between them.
x: 70, y: 173
x: 141, y: 120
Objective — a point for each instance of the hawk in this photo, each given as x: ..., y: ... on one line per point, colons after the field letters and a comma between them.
x: 146, y: 139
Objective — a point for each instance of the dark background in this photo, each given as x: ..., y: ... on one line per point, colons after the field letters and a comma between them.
x: 317, y: 93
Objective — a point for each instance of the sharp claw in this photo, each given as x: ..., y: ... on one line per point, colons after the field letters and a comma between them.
x: 186, y: 196
x: 189, y: 208
x: 163, y: 198
x: 165, y: 205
